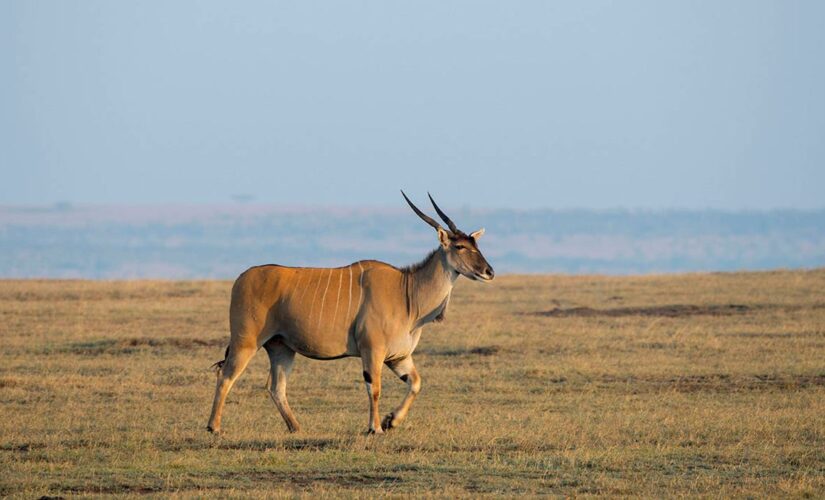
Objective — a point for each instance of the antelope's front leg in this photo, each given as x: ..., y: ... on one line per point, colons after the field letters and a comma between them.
x: 405, y: 369
x: 372, y: 362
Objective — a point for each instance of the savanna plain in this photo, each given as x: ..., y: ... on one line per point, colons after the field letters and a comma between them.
x: 698, y: 385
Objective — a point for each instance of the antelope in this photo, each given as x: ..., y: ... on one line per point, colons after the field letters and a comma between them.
x: 368, y: 309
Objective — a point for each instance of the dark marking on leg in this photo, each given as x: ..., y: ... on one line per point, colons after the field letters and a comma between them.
x: 404, y: 377
x: 367, y: 377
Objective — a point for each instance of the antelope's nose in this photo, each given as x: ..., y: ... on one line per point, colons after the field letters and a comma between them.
x: 490, y: 272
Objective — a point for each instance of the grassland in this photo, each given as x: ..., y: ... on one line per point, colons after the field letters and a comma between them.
x: 705, y: 384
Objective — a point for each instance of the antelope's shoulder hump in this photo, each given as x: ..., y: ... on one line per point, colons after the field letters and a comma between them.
x: 260, y: 270
x: 370, y: 264
x: 263, y: 279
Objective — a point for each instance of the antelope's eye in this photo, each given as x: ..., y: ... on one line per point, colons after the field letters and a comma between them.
x: 460, y: 247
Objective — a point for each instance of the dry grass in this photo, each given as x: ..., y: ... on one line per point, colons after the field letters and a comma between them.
x: 709, y: 385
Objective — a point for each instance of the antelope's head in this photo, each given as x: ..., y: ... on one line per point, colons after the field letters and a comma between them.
x: 461, y: 250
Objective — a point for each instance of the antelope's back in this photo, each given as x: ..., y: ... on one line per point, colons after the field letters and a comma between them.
x: 313, y: 309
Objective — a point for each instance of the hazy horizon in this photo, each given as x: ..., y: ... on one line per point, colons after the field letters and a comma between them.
x: 220, y: 241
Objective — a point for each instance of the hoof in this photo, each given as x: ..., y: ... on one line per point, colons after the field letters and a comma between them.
x: 372, y: 432
x: 213, y: 431
x: 387, y: 424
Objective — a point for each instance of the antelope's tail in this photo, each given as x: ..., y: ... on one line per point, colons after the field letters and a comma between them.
x: 217, y: 366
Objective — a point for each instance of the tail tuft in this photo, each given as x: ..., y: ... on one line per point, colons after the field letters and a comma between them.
x: 217, y: 366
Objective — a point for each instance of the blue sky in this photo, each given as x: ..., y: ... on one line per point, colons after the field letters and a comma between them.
x: 637, y: 104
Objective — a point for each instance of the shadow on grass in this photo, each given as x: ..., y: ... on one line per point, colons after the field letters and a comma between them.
x: 288, y: 444
x: 132, y: 345
x: 312, y: 444
x: 490, y: 350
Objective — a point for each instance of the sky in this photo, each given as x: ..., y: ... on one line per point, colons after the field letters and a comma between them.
x: 526, y: 104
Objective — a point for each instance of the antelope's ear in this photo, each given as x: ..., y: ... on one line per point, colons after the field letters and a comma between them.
x: 478, y: 234
x: 443, y: 237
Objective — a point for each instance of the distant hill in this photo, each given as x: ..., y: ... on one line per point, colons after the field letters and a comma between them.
x: 166, y: 241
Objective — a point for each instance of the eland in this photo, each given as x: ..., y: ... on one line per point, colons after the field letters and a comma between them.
x: 368, y: 309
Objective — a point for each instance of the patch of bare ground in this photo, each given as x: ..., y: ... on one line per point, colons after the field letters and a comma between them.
x: 776, y: 335
x: 124, y: 488
x: 669, y: 310
x: 717, y: 382
x: 302, y: 479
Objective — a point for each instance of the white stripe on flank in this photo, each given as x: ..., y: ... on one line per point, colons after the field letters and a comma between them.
x: 349, y: 294
x: 304, y: 289
x: 360, y: 284
x: 324, y: 298
x: 315, y: 294
x: 337, y: 298
x: 297, y: 283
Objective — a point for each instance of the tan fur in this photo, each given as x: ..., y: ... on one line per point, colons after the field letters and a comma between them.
x: 368, y: 309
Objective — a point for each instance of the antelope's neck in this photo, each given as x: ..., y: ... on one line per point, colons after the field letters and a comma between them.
x: 430, y: 286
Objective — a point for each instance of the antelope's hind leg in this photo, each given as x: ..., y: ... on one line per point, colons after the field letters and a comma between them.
x: 234, y: 364
x: 281, y: 358
x: 372, y: 362
x: 405, y: 369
